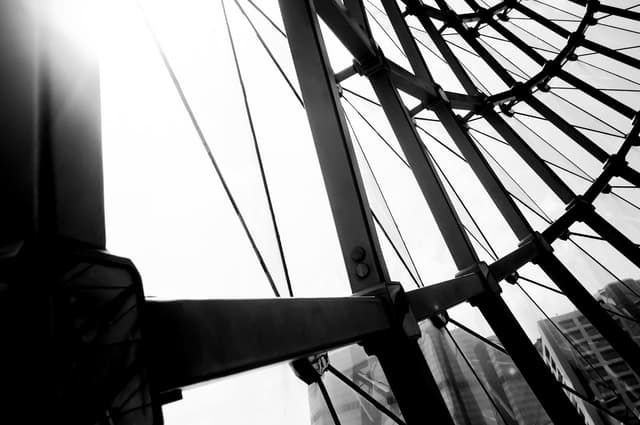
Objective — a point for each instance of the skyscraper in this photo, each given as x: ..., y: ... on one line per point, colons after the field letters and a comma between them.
x: 511, y: 401
x: 580, y: 357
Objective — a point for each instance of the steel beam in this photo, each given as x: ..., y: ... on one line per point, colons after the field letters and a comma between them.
x: 399, y: 354
x: 196, y: 340
x: 490, y: 304
x: 433, y: 299
x: 351, y: 212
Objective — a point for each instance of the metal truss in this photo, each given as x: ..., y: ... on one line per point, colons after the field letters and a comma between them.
x: 178, y: 343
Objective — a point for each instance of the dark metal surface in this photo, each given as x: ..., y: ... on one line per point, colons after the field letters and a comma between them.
x: 348, y: 200
x: 72, y: 318
x: 194, y: 341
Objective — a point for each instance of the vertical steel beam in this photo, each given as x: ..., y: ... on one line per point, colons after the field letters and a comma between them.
x: 401, y: 358
x: 356, y: 231
x: 491, y: 305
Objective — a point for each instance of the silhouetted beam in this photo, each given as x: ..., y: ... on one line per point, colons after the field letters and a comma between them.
x: 192, y: 341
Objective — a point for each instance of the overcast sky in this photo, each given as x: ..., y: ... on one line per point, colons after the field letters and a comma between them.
x: 167, y: 211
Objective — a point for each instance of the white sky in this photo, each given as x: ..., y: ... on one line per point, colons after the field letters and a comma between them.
x: 166, y: 209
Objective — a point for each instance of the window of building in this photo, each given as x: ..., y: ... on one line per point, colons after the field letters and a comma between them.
x: 629, y: 379
x: 565, y: 324
x: 609, y: 354
x: 591, y: 330
x: 600, y: 342
x: 546, y: 352
x: 619, y: 367
x: 574, y: 335
x: 583, y: 320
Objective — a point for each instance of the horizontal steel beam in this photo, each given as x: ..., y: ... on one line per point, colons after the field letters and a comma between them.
x: 433, y: 299
x: 192, y: 341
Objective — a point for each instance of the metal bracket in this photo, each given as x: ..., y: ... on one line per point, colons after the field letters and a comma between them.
x: 580, y: 207
x: 310, y: 369
x: 439, y: 98
x: 614, y: 163
x: 401, y: 315
x: 372, y: 65
x: 540, y: 244
x: 481, y: 269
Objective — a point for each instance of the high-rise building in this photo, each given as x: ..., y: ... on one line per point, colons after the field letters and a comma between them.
x: 511, y: 403
x: 461, y: 391
x: 589, y: 364
x: 366, y: 373
x: 508, y: 386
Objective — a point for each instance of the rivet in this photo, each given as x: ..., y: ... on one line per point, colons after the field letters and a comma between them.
x: 362, y: 270
x: 358, y: 253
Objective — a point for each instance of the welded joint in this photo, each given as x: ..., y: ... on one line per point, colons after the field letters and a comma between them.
x: 311, y: 368
x: 541, y: 246
x: 489, y: 282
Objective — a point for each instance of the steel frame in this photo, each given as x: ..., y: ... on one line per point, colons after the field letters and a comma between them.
x: 187, y: 342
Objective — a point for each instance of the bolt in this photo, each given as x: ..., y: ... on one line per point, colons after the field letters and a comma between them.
x: 358, y: 253
x: 362, y: 270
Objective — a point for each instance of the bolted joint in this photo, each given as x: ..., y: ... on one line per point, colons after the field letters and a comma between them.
x: 519, y: 91
x: 551, y: 68
x: 310, y: 369
x: 543, y: 86
x: 413, y: 9
x: 482, y: 106
x: 463, y: 122
x: 451, y: 18
x: 506, y: 109
x: 575, y: 39
x: 440, y: 97
x: 440, y: 320
x: 490, y: 283
x: 512, y: 278
x: 398, y: 308
x: 580, y: 207
x: 361, y: 268
x: 614, y: 163
x: 540, y: 244
x: 473, y: 32
x: 372, y: 65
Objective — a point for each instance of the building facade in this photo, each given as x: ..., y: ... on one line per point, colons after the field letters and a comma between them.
x: 511, y: 403
x: 580, y: 357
